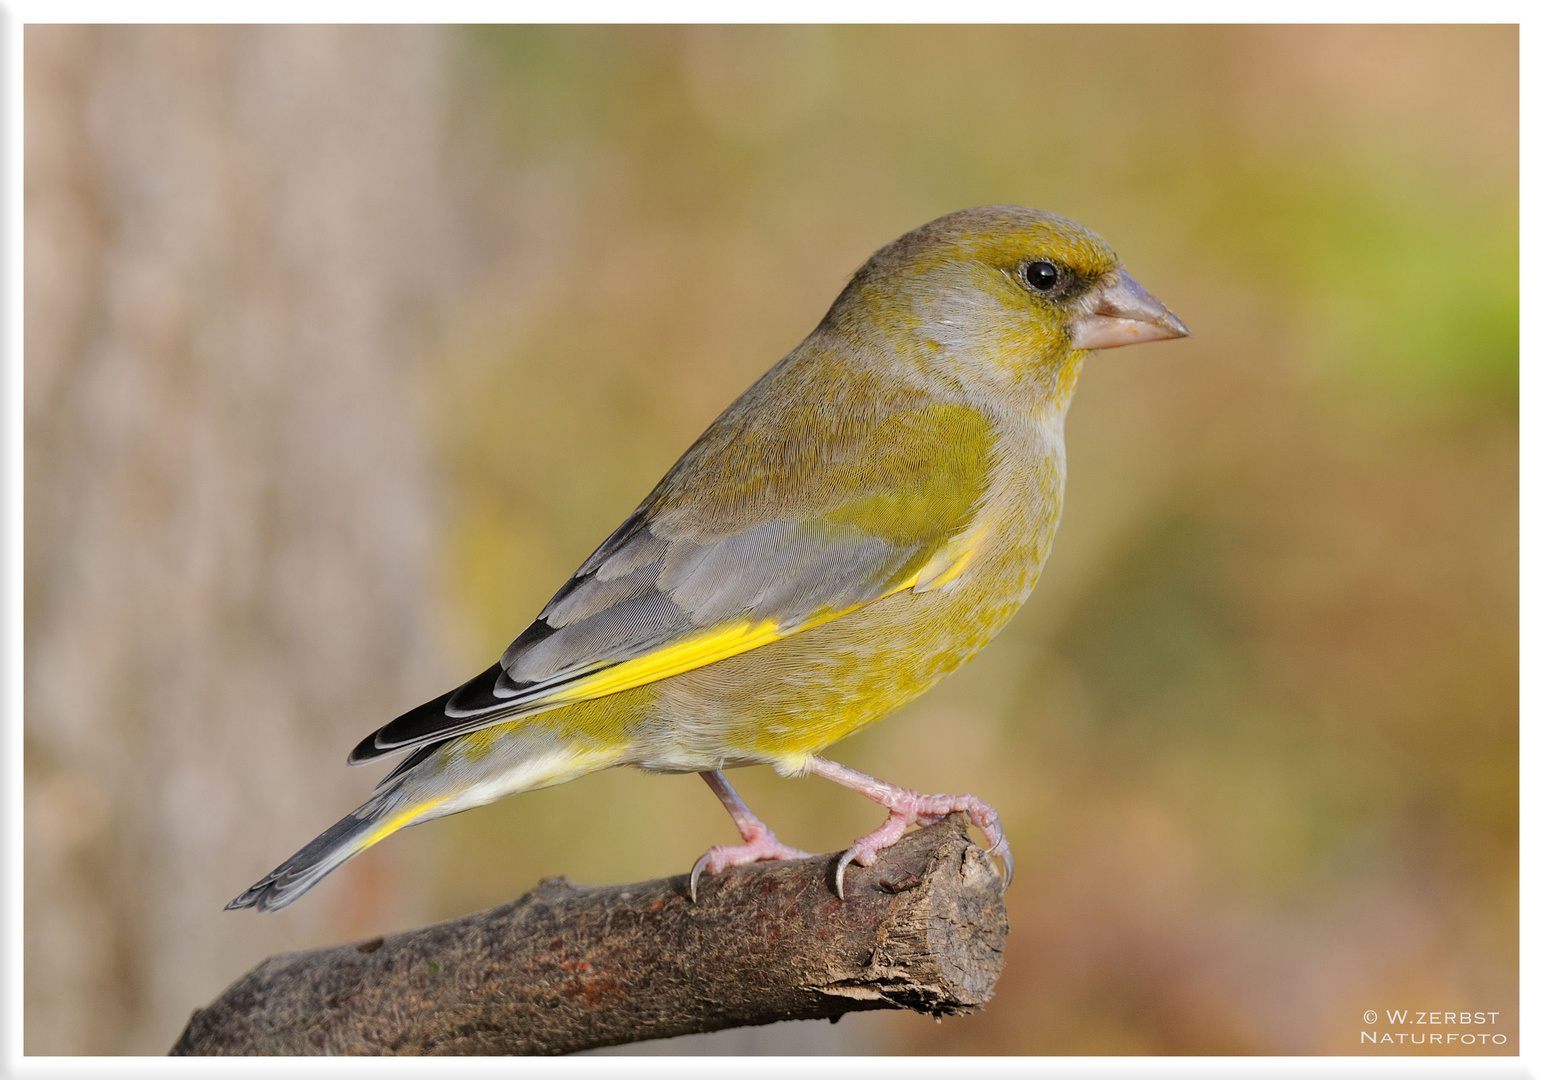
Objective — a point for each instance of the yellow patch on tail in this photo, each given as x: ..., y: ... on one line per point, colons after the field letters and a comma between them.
x: 398, y: 821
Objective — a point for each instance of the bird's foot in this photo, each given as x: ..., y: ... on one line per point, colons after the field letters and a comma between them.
x: 907, y: 808
x: 760, y: 844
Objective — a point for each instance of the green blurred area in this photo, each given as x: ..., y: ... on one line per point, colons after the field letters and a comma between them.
x: 1255, y: 737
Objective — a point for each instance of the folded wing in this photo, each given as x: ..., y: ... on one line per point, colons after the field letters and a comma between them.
x: 689, y: 580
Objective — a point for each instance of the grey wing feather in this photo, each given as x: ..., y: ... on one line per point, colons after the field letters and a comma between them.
x: 644, y: 589
x: 626, y: 607
x: 617, y: 633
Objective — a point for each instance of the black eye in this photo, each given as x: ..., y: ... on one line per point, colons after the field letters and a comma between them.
x: 1041, y: 275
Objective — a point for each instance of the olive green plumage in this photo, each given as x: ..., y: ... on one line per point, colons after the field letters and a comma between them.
x: 858, y: 524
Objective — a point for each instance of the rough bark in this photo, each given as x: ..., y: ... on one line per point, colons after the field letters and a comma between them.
x: 571, y: 967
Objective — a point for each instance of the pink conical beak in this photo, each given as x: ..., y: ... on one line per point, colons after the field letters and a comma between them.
x: 1120, y: 312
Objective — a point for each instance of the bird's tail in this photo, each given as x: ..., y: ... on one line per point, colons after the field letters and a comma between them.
x: 389, y: 809
x: 439, y: 779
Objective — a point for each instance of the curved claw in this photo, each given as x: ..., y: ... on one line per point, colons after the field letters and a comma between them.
x: 696, y: 873
x: 1007, y: 865
x: 761, y: 846
x: 906, y: 808
x: 841, y: 870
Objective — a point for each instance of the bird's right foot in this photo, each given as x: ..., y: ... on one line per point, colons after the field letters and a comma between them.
x: 907, y: 808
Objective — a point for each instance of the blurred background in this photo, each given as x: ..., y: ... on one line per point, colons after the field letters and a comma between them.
x: 345, y: 345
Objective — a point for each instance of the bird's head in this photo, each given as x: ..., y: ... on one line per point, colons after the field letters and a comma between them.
x: 1003, y: 293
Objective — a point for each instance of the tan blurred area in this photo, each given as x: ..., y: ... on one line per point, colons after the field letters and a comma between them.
x: 232, y: 239
x: 345, y: 345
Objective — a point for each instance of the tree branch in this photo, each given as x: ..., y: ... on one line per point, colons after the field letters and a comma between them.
x: 569, y: 967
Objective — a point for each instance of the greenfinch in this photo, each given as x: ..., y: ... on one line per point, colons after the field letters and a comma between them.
x: 854, y: 527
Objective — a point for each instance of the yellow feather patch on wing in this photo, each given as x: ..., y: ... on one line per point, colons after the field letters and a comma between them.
x: 741, y: 637
x: 953, y: 560
x: 693, y: 653
x: 673, y: 659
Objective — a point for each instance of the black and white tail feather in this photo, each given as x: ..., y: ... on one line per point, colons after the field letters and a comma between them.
x: 297, y: 874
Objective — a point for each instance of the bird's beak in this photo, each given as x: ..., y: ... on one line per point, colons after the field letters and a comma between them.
x: 1120, y: 312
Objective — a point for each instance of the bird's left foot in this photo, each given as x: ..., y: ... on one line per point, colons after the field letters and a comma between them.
x: 907, y: 808
x: 760, y: 842
x: 763, y: 844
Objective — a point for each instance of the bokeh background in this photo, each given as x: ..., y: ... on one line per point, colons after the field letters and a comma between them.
x: 345, y: 345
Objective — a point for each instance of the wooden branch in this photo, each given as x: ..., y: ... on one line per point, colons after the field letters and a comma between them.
x: 569, y: 967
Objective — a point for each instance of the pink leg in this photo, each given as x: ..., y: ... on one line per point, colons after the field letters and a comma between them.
x: 906, y: 807
x: 760, y: 842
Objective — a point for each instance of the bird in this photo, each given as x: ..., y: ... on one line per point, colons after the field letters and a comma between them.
x: 857, y: 524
